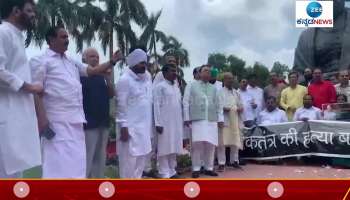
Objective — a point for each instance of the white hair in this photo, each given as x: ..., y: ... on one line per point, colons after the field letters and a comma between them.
x: 86, y: 51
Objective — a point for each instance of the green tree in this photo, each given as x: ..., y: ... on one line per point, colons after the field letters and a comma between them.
x: 231, y: 64
x: 219, y: 61
x: 279, y: 68
x: 262, y: 72
x: 50, y: 13
x: 174, y: 47
x: 236, y: 66
x: 151, y: 36
x: 118, y: 16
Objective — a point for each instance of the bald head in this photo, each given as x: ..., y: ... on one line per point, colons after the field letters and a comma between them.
x: 228, y: 80
x: 91, y: 57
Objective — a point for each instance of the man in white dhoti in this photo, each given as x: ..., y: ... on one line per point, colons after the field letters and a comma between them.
x: 64, y: 155
x: 19, y: 136
x: 204, y: 111
x: 168, y: 121
x: 271, y: 114
x: 134, y: 116
x: 230, y: 136
x: 149, y: 170
x: 308, y: 112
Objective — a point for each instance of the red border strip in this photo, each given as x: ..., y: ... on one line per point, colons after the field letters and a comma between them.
x: 174, y: 189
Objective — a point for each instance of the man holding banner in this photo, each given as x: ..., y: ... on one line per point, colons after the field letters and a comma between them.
x: 308, y: 112
x: 271, y: 114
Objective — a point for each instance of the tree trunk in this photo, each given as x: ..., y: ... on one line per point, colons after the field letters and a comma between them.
x: 155, y: 49
x: 53, y: 21
x: 111, y: 50
x: 112, y: 102
x: 126, y: 47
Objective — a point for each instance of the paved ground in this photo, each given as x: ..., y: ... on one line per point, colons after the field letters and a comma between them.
x: 259, y: 171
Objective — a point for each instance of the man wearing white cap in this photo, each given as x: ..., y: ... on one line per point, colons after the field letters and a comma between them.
x: 134, y: 116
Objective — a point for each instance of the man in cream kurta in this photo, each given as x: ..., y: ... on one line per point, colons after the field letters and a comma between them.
x: 168, y: 122
x: 204, y: 111
x: 134, y: 116
x: 230, y: 136
x: 19, y: 136
x: 64, y: 155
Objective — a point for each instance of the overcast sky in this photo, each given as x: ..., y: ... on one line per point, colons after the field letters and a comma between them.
x: 254, y: 30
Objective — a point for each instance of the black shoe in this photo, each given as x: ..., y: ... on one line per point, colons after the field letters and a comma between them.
x: 235, y: 165
x: 210, y: 173
x: 242, y: 162
x: 195, y: 174
x: 202, y: 170
x: 150, y: 174
x: 176, y: 176
x: 221, y: 168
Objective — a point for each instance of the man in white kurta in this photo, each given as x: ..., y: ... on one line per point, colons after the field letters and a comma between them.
x: 257, y: 94
x: 204, y: 111
x: 230, y: 136
x: 168, y: 121
x: 19, y: 136
x: 248, y: 115
x: 271, y: 114
x: 149, y: 170
x: 64, y: 156
x: 134, y: 116
x: 159, y: 76
x: 307, y: 112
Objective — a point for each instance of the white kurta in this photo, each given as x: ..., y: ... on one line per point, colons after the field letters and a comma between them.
x: 219, y: 86
x: 231, y: 134
x: 246, y: 99
x: 168, y: 114
x: 134, y: 110
x: 258, y: 98
x: 203, y: 130
x: 312, y: 113
x: 19, y: 135
x: 160, y: 78
x: 274, y: 117
x: 64, y: 156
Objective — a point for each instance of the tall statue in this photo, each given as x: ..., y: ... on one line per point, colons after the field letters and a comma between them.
x: 326, y: 48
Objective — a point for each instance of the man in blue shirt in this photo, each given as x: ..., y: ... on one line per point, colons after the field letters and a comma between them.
x: 97, y: 90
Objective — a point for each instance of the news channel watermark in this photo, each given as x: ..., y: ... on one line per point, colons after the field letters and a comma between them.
x: 314, y: 14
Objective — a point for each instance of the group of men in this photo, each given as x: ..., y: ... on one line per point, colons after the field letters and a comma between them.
x: 45, y: 96
x: 313, y: 99
x: 67, y: 102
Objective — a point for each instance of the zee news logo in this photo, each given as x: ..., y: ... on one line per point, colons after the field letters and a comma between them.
x: 314, y: 14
